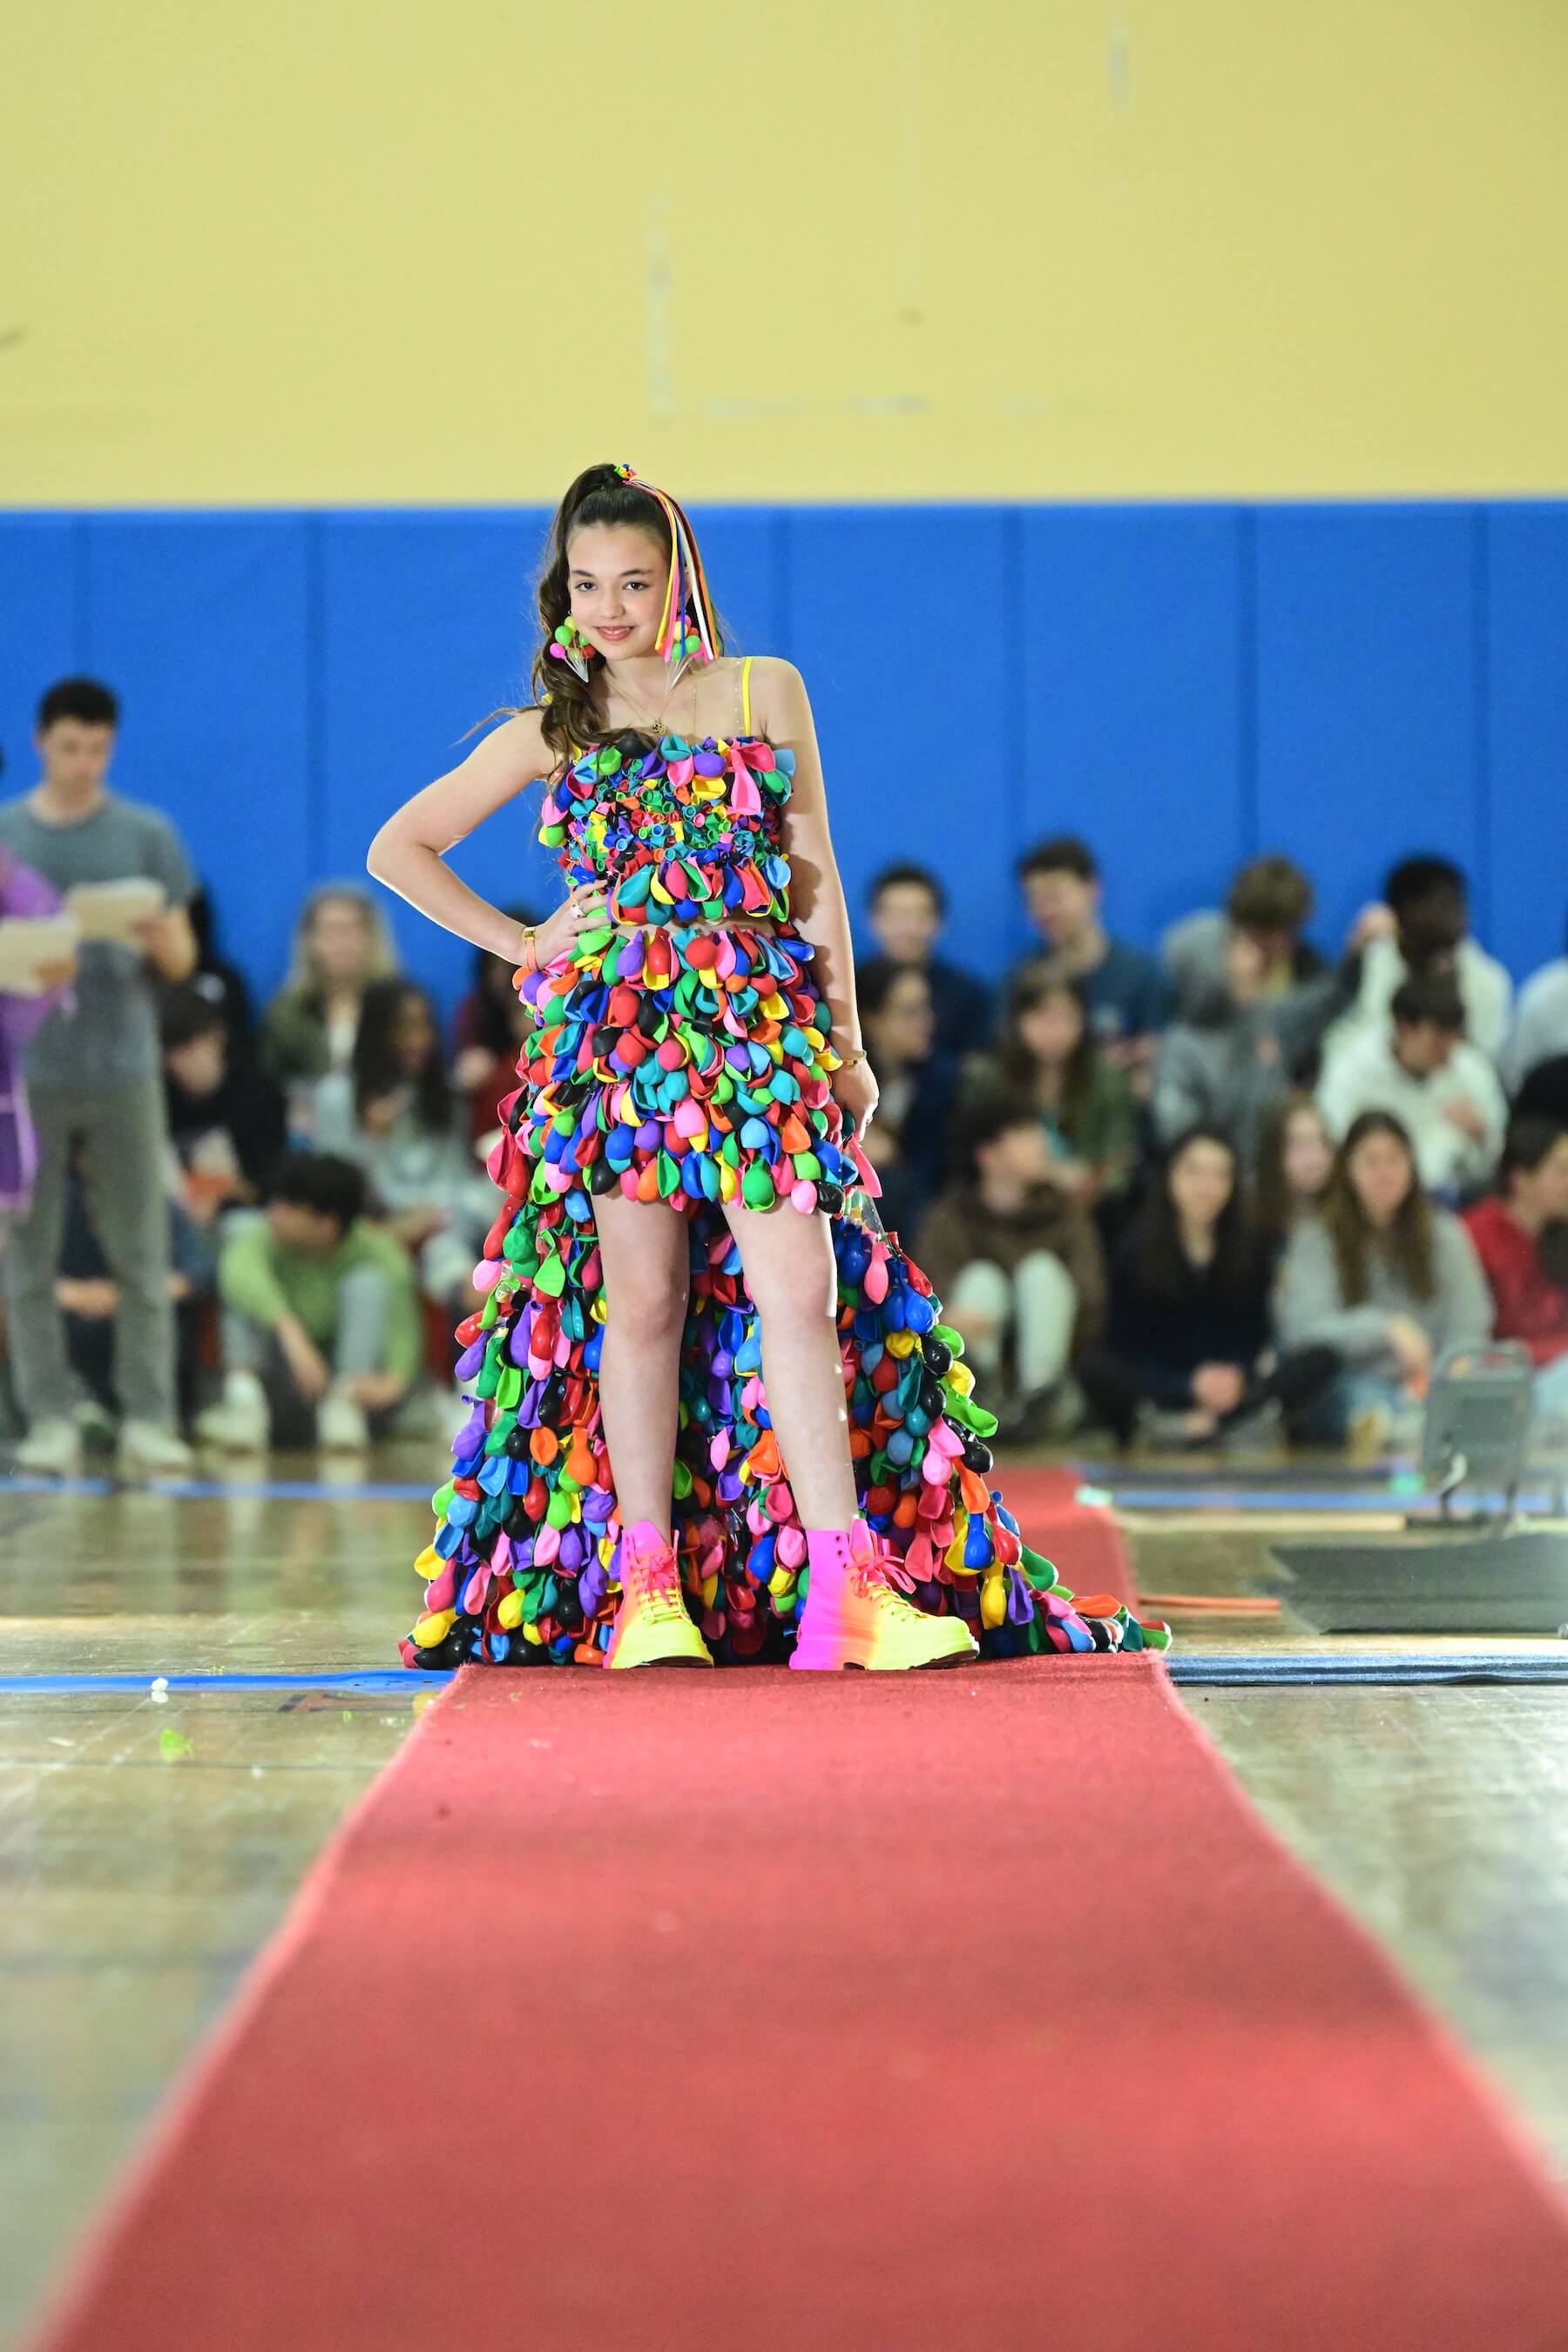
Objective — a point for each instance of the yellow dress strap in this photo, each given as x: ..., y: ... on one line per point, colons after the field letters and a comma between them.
x: 746, y: 694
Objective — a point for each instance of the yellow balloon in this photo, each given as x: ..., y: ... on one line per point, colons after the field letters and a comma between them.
x: 510, y: 1608
x: 434, y: 1627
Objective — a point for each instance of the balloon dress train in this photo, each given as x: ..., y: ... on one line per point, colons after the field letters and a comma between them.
x: 691, y: 1067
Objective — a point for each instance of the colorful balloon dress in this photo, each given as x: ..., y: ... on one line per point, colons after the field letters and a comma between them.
x: 691, y: 1067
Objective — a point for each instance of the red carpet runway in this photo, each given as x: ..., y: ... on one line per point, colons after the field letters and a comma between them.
x: 755, y: 2010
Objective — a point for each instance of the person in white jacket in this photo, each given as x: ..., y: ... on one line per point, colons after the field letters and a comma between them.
x: 1422, y: 930
x: 1421, y: 1068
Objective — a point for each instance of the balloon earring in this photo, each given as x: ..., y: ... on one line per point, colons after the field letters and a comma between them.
x: 569, y: 645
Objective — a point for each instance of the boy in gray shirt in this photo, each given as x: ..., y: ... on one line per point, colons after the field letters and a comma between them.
x: 94, y: 1078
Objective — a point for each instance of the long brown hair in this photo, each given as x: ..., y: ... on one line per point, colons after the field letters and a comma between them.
x: 572, y: 718
x: 1271, y: 1203
x: 1019, y: 1068
x: 1409, y: 1245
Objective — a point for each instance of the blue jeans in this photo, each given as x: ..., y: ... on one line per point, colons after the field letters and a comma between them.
x: 1328, y: 1420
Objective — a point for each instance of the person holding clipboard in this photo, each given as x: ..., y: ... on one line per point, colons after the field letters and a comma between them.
x: 94, y: 1084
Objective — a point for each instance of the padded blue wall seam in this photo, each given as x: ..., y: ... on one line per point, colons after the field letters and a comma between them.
x: 1480, y: 673
x: 1247, y: 681
x: 314, y: 527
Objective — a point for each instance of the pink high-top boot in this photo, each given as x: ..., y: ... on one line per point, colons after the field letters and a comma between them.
x: 854, y: 1616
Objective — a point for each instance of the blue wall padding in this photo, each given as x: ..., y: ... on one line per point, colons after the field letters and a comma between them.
x: 1184, y: 683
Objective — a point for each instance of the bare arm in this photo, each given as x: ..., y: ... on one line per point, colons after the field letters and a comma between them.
x: 169, y: 943
x: 409, y: 853
x: 816, y: 894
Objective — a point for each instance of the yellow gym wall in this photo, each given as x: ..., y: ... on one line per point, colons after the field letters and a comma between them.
x: 326, y: 251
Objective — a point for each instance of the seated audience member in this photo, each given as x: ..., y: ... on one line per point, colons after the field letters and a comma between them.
x: 908, y: 908
x: 1423, y: 1069
x: 87, y: 1297
x: 1187, y: 1356
x: 321, y: 1332
x: 906, y: 1142
x: 1543, y: 1092
x: 1230, y: 1064
x: 1014, y: 1260
x: 1520, y: 1234
x: 342, y: 943
x: 227, y: 1123
x: 1385, y: 1278
x: 1295, y: 1160
x: 1046, y: 1051
x: 1539, y: 1032
x: 394, y: 1115
x: 1270, y: 901
x: 1421, y: 932
x: 1126, y: 992
x: 222, y: 983
x: 493, y: 1023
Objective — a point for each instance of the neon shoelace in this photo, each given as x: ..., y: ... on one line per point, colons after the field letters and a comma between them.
x: 654, y: 1579
x: 877, y: 1575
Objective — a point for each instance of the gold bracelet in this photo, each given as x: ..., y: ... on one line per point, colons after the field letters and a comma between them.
x: 857, y: 1053
x: 529, y: 948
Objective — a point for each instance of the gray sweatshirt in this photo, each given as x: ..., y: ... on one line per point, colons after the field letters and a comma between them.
x: 1310, y: 1308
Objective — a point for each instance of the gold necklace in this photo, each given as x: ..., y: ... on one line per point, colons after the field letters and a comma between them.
x: 654, y: 722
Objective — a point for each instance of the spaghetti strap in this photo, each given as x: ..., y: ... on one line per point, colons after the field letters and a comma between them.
x: 746, y: 694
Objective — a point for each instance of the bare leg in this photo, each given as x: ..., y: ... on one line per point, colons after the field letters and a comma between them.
x: 790, y: 1273
x: 643, y: 1247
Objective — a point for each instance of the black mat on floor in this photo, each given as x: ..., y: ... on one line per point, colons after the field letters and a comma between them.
x: 1434, y: 1584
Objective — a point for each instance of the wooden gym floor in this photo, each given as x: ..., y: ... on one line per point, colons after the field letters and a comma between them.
x: 148, y: 1848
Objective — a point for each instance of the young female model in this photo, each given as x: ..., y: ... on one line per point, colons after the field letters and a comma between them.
x: 799, y: 1466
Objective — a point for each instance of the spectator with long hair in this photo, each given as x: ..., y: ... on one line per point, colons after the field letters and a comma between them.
x: 492, y: 1025
x: 342, y: 943
x: 1520, y: 1234
x: 907, y: 1141
x: 1295, y: 1161
x: 1187, y: 1356
x: 395, y: 1114
x: 1046, y: 1050
x: 1385, y: 1278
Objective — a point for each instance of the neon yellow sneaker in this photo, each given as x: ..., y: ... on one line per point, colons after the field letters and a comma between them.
x: 652, y: 1627
x: 855, y: 1616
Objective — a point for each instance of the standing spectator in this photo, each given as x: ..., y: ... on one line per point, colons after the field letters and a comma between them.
x: 493, y: 1023
x: 1421, y: 1068
x: 1539, y: 1031
x: 1126, y: 996
x: 96, y: 1085
x: 27, y: 996
x: 1521, y: 1234
x: 1188, y: 1344
x: 395, y: 1114
x: 1187, y: 1355
x: 1269, y: 901
x: 908, y: 908
x: 341, y: 944
x: 321, y: 1329
x: 1295, y: 1162
x: 1386, y: 1279
x: 1423, y: 931
x: 1231, y: 1064
x: 907, y: 1141
x: 1047, y: 1053
x: 1014, y: 1260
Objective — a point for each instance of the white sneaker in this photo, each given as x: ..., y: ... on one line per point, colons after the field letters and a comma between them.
x: 341, y: 1425
x: 51, y: 1449
x: 242, y: 1423
x: 148, y: 1450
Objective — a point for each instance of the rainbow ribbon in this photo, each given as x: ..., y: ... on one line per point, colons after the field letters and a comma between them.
x: 687, y: 603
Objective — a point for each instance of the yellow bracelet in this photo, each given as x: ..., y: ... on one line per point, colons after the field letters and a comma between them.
x: 847, y: 1061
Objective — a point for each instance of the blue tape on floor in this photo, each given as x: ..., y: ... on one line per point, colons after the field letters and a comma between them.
x: 1214, y: 1667
x: 1362, y: 1499
x: 281, y: 1490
